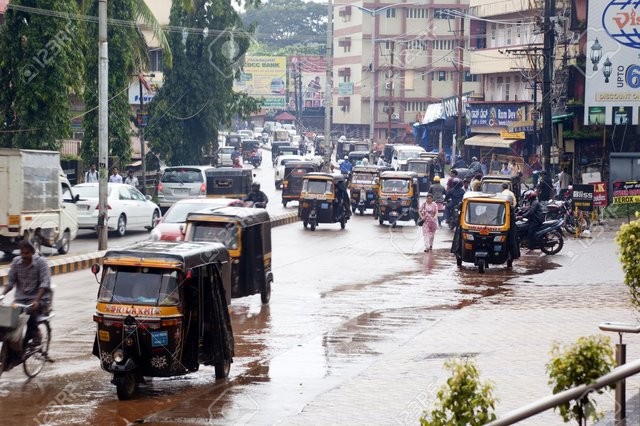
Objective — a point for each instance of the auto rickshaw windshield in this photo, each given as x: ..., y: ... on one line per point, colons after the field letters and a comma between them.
x: 418, y: 167
x: 482, y: 213
x: 317, y: 186
x: 222, y: 232
x: 139, y: 286
x: 492, y: 187
x: 364, y: 178
x: 399, y: 186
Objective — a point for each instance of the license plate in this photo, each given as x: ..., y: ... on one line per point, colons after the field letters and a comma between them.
x: 324, y: 205
x: 180, y: 190
x: 481, y: 254
x: 159, y: 338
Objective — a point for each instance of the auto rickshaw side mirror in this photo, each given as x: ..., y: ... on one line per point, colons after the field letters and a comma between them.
x: 95, y: 268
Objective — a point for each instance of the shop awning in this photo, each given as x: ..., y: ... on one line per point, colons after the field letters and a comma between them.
x: 433, y: 113
x: 493, y: 141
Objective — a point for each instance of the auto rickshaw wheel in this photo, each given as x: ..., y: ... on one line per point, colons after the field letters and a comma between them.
x: 284, y: 203
x: 458, y: 261
x: 343, y: 223
x: 481, y: 265
x: 265, y: 296
x: 126, y: 385
x: 222, y: 369
x: 312, y: 225
x: 380, y: 220
x: 361, y: 210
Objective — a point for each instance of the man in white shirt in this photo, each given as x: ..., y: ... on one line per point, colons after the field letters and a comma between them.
x: 91, y: 175
x: 131, y: 179
x: 115, y: 176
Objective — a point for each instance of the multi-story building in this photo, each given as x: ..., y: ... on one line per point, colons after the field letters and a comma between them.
x: 416, y: 62
x: 3, y: 8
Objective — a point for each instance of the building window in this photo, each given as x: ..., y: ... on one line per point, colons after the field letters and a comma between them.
x: 155, y: 58
x: 507, y: 88
x: 470, y: 77
x: 518, y: 29
x: 508, y: 36
x: 391, y: 12
x: 442, y: 76
x: 493, y: 32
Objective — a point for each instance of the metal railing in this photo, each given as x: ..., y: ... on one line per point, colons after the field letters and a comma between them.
x: 616, y: 377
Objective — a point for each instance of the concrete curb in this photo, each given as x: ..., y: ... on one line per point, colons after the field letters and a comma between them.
x: 84, y: 261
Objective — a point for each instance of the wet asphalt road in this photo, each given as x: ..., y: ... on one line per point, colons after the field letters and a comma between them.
x: 359, y: 324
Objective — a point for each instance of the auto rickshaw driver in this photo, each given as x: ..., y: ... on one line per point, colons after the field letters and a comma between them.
x: 343, y: 201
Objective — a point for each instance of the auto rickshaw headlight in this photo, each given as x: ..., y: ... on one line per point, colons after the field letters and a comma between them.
x: 118, y: 355
x: 499, y: 238
x: 467, y: 236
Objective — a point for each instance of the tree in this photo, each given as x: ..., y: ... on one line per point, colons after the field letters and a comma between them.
x: 581, y: 363
x: 281, y: 23
x: 464, y: 400
x: 197, y: 95
x: 628, y: 239
x: 40, y: 64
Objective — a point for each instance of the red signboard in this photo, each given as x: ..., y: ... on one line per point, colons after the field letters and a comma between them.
x: 599, y: 194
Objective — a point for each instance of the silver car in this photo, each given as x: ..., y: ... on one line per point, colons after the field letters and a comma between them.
x: 224, y: 156
x: 182, y: 182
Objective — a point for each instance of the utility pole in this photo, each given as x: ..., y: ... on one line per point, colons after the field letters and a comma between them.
x: 328, y: 88
x: 549, y: 54
x: 300, y: 94
x: 103, y: 123
x: 390, y: 101
x: 460, y: 79
x: 141, y: 134
x: 295, y: 93
x: 372, y: 90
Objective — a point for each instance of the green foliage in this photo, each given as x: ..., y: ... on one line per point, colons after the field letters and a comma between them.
x: 40, y: 64
x: 197, y: 96
x: 121, y: 66
x: 583, y: 134
x: 291, y: 50
x: 464, y: 400
x: 581, y: 363
x: 282, y: 23
x: 628, y: 239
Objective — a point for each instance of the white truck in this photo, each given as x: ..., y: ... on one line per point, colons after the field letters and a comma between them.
x: 38, y: 202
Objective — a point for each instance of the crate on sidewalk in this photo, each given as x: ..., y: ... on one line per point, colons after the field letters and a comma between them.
x: 9, y: 316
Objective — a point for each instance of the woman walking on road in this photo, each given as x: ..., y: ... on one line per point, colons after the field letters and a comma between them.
x: 429, y: 216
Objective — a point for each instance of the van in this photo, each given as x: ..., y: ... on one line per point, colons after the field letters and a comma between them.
x: 402, y: 153
x: 177, y: 183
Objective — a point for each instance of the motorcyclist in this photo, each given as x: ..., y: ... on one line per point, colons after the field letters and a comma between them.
x: 346, y: 167
x: 453, y: 198
x: 438, y: 192
x: 257, y: 197
x: 475, y: 166
x: 459, y: 164
x: 545, y: 186
x: 343, y: 201
x: 535, y: 217
x: 236, y: 163
x: 381, y: 161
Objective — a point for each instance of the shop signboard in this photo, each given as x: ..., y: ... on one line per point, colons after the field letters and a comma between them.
x: 626, y: 192
x: 313, y: 71
x: 582, y: 196
x: 496, y: 116
x: 613, y: 66
x: 599, y: 194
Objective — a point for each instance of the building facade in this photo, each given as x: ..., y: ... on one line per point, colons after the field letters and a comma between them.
x: 415, y: 48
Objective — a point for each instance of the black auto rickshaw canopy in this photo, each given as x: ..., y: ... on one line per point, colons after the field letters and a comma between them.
x: 233, y: 140
x: 335, y: 177
x: 248, y: 146
x: 492, y: 184
x: 246, y: 233
x: 228, y: 182
x: 276, y: 145
x: 294, y: 172
x: 355, y: 156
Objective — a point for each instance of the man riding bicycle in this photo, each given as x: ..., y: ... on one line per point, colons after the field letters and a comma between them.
x: 30, y: 276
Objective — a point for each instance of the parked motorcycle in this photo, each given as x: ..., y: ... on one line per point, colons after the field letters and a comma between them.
x: 558, y: 209
x: 549, y: 237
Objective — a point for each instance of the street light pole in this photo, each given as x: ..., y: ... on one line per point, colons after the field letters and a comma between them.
x: 103, y: 123
x: 141, y: 134
x: 328, y: 89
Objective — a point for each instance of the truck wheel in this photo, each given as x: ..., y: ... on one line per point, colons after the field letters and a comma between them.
x: 122, y: 226
x: 64, y: 243
x: 361, y: 210
x: 481, y: 265
x: 222, y: 369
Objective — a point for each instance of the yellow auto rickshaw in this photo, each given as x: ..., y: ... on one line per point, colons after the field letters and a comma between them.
x: 162, y: 310
x: 398, y: 198
x: 364, y: 187
x: 486, y: 233
x: 323, y: 199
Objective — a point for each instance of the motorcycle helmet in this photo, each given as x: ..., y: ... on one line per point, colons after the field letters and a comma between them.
x: 255, y: 186
x: 456, y: 181
x: 474, y: 159
x: 532, y: 195
x: 436, y: 179
x: 346, y: 157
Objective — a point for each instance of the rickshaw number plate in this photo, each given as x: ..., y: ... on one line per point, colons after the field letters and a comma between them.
x: 324, y: 206
x: 482, y: 254
x: 104, y: 336
x: 159, y: 338
x: 484, y: 231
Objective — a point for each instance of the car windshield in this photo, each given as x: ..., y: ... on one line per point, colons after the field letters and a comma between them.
x: 484, y: 213
x: 222, y: 232
x: 89, y: 191
x: 179, y: 211
x: 364, y: 178
x: 317, y: 186
x: 399, y: 186
x: 492, y: 187
x: 417, y: 167
x: 227, y: 150
x: 139, y: 286
x: 182, y: 176
x: 405, y: 155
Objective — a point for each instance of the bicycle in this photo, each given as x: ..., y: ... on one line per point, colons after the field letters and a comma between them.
x: 14, y: 349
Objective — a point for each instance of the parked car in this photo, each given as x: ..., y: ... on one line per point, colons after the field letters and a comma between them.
x: 278, y: 170
x: 170, y: 226
x: 224, y: 156
x: 178, y: 183
x: 127, y: 207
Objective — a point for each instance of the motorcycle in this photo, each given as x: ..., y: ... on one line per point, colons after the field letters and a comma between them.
x: 454, y: 217
x: 559, y: 209
x: 549, y: 237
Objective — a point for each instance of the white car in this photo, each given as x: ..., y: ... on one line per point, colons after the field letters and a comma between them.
x: 224, y: 156
x: 278, y: 173
x: 127, y: 207
x: 246, y: 134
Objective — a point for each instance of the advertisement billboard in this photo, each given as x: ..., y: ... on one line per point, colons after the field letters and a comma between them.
x: 612, y: 75
x: 312, y: 71
x: 264, y: 77
x: 496, y: 116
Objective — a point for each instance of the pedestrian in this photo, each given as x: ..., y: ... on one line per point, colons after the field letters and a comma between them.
x: 115, y: 176
x: 545, y: 186
x: 509, y: 194
x: 91, y: 175
x: 429, y: 215
x: 564, y: 180
x: 484, y: 166
x: 505, y: 169
x: 453, y: 174
x: 31, y: 277
x: 442, y: 160
x: 476, y: 183
x: 131, y: 179
x: 494, y: 166
x: 381, y: 161
x: 514, y: 167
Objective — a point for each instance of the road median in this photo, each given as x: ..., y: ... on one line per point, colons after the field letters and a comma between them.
x: 66, y: 264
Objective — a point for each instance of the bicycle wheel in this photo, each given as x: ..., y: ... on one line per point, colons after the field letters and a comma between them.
x: 36, y: 357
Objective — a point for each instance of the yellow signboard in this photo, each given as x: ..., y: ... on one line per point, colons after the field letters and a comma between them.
x: 631, y: 199
x: 264, y: 77
x: 511, y: 135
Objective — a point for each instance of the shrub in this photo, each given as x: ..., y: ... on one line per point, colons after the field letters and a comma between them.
x: 628, y: 239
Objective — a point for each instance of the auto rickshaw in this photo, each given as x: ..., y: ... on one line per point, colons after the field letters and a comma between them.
x: 425, y: 169
x: 228, y: 182
x: 248, y: 147
x: 343, y: 148
x: 398, y: 197
x: 356, y: 157
x: 486, y: 233
x: 234, y: 140
x: 364, y: 186
x: 246, y: 233
x: 492, y: 184
x: 162, y: 310
x: 323, y: 199
x: 294, y: 171
x: 275, y: 149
